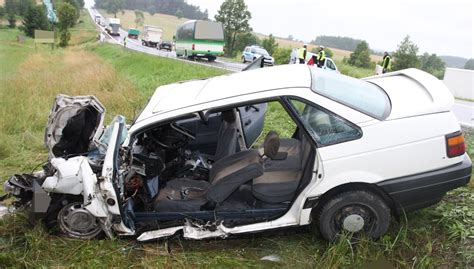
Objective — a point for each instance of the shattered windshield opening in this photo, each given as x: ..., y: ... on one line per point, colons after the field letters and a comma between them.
x: 105, y: 138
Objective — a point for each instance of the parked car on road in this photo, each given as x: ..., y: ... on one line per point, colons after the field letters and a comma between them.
x: 328, y: 63
x: 165, y: 45
x: 342, y: 153
x: 251, y: 53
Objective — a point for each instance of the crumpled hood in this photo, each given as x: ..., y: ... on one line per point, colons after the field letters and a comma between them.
x: 73, y: 124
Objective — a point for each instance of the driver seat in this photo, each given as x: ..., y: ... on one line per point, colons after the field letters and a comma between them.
x: 226, y: 135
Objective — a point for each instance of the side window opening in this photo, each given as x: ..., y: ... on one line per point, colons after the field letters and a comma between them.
x: 277, y: 119
x: 325, y: 127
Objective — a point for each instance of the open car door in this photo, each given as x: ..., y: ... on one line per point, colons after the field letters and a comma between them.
x: 252, y: 119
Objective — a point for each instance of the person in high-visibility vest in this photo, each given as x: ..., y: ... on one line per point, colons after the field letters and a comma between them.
x: 302, y: 54
x: 386, y: 63
x: 321, y: 56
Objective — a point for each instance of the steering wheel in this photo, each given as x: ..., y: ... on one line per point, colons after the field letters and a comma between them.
x: 170, y: 140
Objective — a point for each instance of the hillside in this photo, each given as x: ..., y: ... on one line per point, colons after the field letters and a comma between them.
x: 169, y: 23
x: 170, y: 7
x: 338, y: 53
x: 454, y: 61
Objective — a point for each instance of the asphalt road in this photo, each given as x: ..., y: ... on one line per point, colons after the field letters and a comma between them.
x: 464, y: 112
x: 136, y: 45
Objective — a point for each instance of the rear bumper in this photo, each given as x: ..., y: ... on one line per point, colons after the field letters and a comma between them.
x: 425, y: 189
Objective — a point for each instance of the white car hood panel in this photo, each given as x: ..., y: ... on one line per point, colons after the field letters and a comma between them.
x: 64, y: 108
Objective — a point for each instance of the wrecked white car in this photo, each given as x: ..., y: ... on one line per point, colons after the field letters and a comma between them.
x: 352, y: 154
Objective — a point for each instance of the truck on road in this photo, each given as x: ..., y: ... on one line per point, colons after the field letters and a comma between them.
x: 151, y: 36
x: 113, y: 26
x: 133, y: 33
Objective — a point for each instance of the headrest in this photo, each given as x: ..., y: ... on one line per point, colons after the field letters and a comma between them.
x: 271, y: 145
x: 228, y: 116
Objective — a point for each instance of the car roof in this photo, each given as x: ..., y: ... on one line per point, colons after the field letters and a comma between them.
x: 185, y: 94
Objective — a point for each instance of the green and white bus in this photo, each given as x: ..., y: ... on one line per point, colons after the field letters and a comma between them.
x: 200, y: 39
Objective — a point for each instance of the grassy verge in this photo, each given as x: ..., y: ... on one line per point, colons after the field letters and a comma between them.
x: 147, y: 72
x: 439, y: 236
x: 354, y: 71
x: 85, y: 31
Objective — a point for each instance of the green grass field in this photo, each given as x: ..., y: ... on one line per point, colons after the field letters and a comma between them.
x: 439, y: 236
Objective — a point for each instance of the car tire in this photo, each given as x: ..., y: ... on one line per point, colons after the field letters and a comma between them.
x: 243, y: 59
x: 55, y: 216
x: 356, y: 212
x: 58, y: 201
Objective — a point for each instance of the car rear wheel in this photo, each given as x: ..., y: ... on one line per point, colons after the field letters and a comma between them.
x: 356, y: 212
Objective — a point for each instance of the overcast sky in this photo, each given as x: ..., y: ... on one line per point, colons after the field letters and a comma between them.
x: 444, y: 27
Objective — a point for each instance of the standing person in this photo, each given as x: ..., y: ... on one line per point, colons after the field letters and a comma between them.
x: 386, y: 63
x: 302, y: 54
x: 125, y: 41
x: 321, y: 56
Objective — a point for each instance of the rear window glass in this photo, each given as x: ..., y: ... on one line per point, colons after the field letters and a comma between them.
x: 209, y: 30
x: 360, y: 95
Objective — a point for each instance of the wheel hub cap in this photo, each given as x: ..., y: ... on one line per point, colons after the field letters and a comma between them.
x: 353, y: 223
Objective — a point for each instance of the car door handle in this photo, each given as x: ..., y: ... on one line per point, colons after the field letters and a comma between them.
x: 247, y: 123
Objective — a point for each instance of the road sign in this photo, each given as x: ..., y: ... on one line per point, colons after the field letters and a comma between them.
x: 44, y: 36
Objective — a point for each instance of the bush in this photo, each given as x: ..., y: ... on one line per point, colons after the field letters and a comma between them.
x: 328, y: 51
x: 245, y: 39
x: 406, y: 55
x: 11, y: 20
x: 361, y: 56
x: 282, y: 55
x: 270, y: 44
x: 35, y: 19
x: 469, y: 64
x: 67, y: 19
x: 353, y: 71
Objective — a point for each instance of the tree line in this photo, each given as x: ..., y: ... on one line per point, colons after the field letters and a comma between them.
x: 178, y: 8
x: 337, y: 42
x: 406, y: 56
x: 33, y: 17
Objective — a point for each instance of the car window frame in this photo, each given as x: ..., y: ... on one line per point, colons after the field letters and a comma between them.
x: 325, y: 110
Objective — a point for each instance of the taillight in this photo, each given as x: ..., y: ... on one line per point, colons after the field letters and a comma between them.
x: 455, y: 145
x: 192, y: 47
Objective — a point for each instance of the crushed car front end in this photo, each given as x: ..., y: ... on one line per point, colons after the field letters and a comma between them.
x: 78, y: 188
